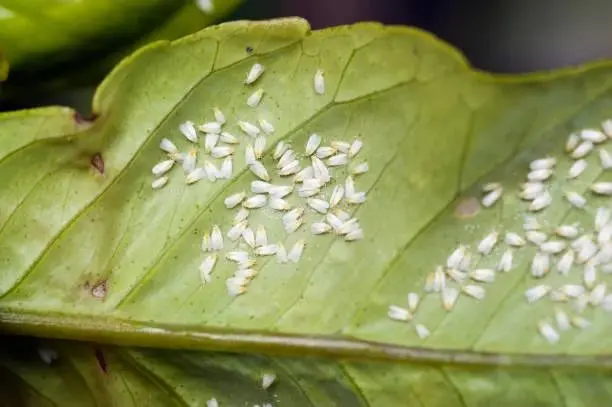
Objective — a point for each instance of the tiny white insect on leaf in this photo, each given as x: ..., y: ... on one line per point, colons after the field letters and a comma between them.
x: 398, y: 313
x: 492, y: 197
x: 537, y: 292
x: 159, y: 182
x: 212, y: 173
x: 212, y: 402
x: 562, y: 320
x: 319, y: 81
x: 487, y: 244
x: 254, y: 73
x: 413, y: 301
x: 278, y: 204
x: 606, y: 304
x: 318, y: 205
x: 542, y: 163
x: 210, y: 141
x: 255, y: 201
x: 539, y: 175
x: 195, y: 175
x: 260, y: 187
x: 294, y: 225
x: 334, y: 221
x: 219, y: 116
x: 540, y: 202
x: 482, y: 275
x: 267, y: 250
x: 168, y: 146
x: 189, y: 161
x: 267, y: 380
x: 280, y: 191
x: 593, y: 135
x: 295, y: 254
x: 337, y: 160
x: 319, y: 228
x: 249, y: 236
x: 598, y: 293
x: 336, y: 196
x: 240, y: 216
x: 540, y: 265
x: 304, y: 174
x: 589, y: 276
x: 553, y: 246
x: 454, y: 260
x: 577, y: 168
x: 575, y: 199
x: 449, y: 298
x: 580, y: 322
x: 226, y: 168
x: 602, y: 217
x: 47, y: 355
x: 325, y: 151
x: 355, y: 148
x: 312, y: 144
x: 305, y: 192
x: 238, y: 256
x: 572, y: 142
x: 216, y: 238
x: 356, y: 198
x: 320, y: 170
x: 266, y: 126
x: 456, y: 275
x: 281, y: 254
x: 360, y: 168
x: 505, y: 262
x: 280, y: 149
x: 586, y: 252
x: 259, y: 170
x: 514, y: 240
x: 573, y: 290
x: 254, y: 99
x: 491, y: 186
x: 356, y: 234
x: 605, y: 159
x: 210, y: 127
x: 205, y: 245
x: 421, y: 331
x: 221, y: 151
x: 206, y: 268
x: 162, y: 167
x: 565, y: 263
x: 189, y: 131
x: 287, y: 157
x: 228, y: 138
x: 582, y: 150
x: 290, y: 169
x: 341, y: 146
x: 548, y: 332
x: 531, y: 223
x: 236, y: 231
x: 567, y: 231
x: 536, y: 237
x: 249, y: 128
x: 602, y: 188
x: 606, y: 125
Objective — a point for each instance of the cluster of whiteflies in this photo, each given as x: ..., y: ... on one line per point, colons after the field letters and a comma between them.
x: 564, y: 247
x: 309, y: 181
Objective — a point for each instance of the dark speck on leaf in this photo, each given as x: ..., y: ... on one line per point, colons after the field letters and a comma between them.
x: 249, y: 50
x: 101, y: 360
x: 97, y: 162
x: 99, y: 290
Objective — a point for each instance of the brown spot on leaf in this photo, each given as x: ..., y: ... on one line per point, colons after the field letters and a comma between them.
x: 467, y: 208
x: 101, y: 360
x: 99, y: 290
x: 79, y: 119
x: 98, y: 162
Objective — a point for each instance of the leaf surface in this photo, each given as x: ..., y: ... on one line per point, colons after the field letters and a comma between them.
x: 89, y: 375
x: 92, y: 251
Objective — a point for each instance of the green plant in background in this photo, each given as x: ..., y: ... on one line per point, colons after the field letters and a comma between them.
x: 52, y: 45
x: 90, y: 251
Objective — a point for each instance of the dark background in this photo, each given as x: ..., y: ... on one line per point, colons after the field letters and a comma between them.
x: 504, y: 36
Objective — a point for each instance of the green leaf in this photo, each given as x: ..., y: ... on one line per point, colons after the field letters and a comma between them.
x: 89, y: 375
x: 91, y: 251
x: 80, y: 51
x: 4, y: 67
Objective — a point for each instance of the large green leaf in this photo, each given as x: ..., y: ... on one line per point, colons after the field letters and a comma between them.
x: 85, y: 375
x: 92, y: 252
